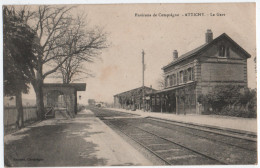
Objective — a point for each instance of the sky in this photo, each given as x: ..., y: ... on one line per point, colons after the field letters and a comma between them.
x: 120, y: 68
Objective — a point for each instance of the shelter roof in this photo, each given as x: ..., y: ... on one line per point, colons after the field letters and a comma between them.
x: 77, y: 86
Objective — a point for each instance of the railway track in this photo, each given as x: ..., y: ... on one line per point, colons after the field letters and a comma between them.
x: 243, y: 142
x: 227, y: 132
x: 181, y: 144
x: 103, y: 113
x: 170, y: 152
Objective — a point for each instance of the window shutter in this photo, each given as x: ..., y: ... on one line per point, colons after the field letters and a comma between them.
x: 192, y: 74
x: 228, y: 54
x: 177, y: 78
x: 185, y: 76
x: 165, y: 82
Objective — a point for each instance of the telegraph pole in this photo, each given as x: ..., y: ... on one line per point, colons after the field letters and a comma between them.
x: 143, y: 79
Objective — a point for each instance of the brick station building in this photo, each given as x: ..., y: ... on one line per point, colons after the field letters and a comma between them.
x: 219, y: 61
x: 133, y: 99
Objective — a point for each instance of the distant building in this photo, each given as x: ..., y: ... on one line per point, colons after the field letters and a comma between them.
x: 132, y: 99
x: 91, y: 102
x: 219, y: 61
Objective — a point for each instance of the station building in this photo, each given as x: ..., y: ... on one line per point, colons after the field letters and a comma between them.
x: 219, y: 61
x: 133, y: 99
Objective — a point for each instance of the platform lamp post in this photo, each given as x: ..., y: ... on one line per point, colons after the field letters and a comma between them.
x: 143, y: 65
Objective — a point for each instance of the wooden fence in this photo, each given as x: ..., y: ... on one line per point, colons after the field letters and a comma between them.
x: 10, y: 114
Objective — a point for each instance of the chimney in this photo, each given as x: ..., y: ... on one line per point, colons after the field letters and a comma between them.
x: 175, y: 54
x: 209, y: 36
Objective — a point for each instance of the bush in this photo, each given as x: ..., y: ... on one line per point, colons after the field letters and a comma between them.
x: 230, y: 100
x: 80, y: 107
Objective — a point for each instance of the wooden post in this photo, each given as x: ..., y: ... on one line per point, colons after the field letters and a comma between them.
x: 143, y: 79
x: 161, y: 102
x: 27, y: 111
x: 7, y: 114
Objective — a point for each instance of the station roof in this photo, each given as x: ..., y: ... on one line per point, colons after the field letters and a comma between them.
x: 136, y: 90
x: 77, y: 86
x: 204, y: 47
x: 173, y: 88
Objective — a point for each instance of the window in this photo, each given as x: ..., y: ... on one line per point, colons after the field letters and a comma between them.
x: 190, y: 74
x: 153, y: 100
x: 193, y: 99
x: 167, y: 81
x: 158, y: 101
x: 162, y: 100
x: 187, y: 97
x: 171, y: 80
x: 185, y: 76
x: 181, y: 77
x: 174, y: 79
x: 222, y: 51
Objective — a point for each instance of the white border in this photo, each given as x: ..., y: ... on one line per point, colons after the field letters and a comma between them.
x: 31, y: 2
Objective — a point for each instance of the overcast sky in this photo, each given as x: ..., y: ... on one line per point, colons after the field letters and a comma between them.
x: 121, y: 66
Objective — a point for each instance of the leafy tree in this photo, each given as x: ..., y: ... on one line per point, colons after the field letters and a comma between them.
x: 221, y: 96
x: 20, y: 46
x: 247, y: 99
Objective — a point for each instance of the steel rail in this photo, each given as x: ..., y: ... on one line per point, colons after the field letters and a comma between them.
x: 210, y: 138
x: 249, y: 135
x: 144, y: 146
x: 182, y: 146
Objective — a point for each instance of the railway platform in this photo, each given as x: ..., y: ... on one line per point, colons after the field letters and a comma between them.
x: 81, y: 141
x: 221, y: 122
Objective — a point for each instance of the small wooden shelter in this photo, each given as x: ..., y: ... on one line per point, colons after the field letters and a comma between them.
x: 62, y: 96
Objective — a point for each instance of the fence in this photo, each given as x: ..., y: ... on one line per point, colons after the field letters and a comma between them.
x: 10, y: 114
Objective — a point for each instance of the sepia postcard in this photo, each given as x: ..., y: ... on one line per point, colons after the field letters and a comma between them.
x: 134, y: 84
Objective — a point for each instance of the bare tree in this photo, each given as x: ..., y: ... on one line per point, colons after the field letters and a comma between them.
x: 53, y: 27
x: 78, y: 37
x: 161, y: 82
x: 73, y: 70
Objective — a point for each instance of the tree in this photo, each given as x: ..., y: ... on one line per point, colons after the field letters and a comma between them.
x: 221, y: 96
x: 53, y: 27
x: 20, y: 46
x: 80, y: 35
x: 231, y: 100
x: 247, y: 98
x: 161, y: 82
